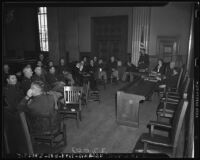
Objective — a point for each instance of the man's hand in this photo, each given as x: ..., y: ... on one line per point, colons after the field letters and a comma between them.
x: 29, y: 93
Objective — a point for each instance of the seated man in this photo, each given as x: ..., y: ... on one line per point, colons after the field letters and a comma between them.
x: 37, y: 102
x: 40, y: 64
x: 113, y: 68
x: 101, y: 68
x: 27, y: 79
x: 160, y: 68
x: 39, y: 76
x: 13, y: 92
x: 170, y: 78
x: 91, y: 71
x: 54, y: 81
x: 129, y: 69
x: 64, y: 72
x: 143, y: 63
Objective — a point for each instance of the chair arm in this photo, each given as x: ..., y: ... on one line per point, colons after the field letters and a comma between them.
x: 172, y: 93
x: 160, y: 124
x: 156, y: 140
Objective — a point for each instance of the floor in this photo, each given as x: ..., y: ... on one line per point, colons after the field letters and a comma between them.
x: 98, y: 131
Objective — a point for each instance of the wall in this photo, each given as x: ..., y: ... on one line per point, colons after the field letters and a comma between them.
x: 74, y: 27
x: 85, y: 15
x: 74, y: 30
x: 21, y: 31
x: 171, y: 20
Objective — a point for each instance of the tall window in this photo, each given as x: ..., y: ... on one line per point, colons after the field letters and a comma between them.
x: 43, y: 30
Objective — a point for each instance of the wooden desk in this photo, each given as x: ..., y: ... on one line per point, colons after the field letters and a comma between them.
x: 128, y: 101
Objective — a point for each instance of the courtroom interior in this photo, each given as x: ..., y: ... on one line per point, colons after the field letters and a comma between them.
x: 98, y: 79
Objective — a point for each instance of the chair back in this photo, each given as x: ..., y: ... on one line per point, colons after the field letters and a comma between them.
x: 72, y: 94
x: 187, y: 87
x: 178, y: 121
x: 86, y: 87
x: 16, y: 133
x: 179, y: 78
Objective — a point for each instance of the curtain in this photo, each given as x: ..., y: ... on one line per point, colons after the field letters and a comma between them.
x: 140, y: 31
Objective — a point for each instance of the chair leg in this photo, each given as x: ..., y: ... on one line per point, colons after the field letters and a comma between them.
x: 158, y: 117
x: 77, y: 120
x: 80, y: 116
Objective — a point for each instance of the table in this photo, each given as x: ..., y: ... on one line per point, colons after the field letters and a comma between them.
x: 128, y: 101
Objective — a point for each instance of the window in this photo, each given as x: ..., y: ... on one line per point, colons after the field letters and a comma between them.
x: 43, y: 30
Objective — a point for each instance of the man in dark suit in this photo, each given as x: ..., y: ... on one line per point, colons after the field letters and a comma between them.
x: 27, y: 79
x: 160, y: 68
x: 143, y: 62
x: 37, y: 102
x: 13, y: 92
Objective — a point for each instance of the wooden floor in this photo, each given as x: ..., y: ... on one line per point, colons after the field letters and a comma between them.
x: 98, y: 130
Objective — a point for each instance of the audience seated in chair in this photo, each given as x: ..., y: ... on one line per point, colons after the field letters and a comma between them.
x: 65, y: 72
x: 121, y: 69
x: 102, y: 74
x: 91, y: 70
x: 53, y: 80
x: 143, y: 62
x: 112, y: 66
x: 39, y: 75
x: 130, y: 68
x: 43, y: 60
x: 27, y: 79
x: 41, y: 111
x: 13, y: 92
x: 159, y: 68
x: 38, y: 102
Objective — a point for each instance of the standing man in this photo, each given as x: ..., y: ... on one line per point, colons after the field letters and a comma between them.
x: 143, y: 62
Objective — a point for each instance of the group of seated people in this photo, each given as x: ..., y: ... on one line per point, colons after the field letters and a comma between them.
x: 54, y: 77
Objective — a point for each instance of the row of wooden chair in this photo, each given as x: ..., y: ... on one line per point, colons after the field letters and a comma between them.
x: 173, y: 105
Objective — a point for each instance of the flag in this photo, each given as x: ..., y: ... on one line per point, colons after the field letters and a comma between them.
x: 142, y: 39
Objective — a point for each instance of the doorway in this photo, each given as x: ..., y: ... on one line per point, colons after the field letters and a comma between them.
x: 109, y: 37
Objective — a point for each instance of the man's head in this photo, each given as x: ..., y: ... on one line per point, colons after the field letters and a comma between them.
x: 50, y: 63
x: 6, y: 68
x: 12, y: 79
x: 52, y: 70
x: 100, y: 61
x: 92, y: 62
x: 172, y: 65
x: 37, y: 88
x: 119, y: 63
x: 112, y: 59
x: 160, y: 62
x: 38, y: 71
x: 95, y: 59
x: 39, y: 63
x: 41, y: 57
x: 62, y: 62
x: 27, y: 72
x: 85, y: 59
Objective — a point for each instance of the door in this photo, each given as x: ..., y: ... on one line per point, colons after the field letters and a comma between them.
x: 109, y: 37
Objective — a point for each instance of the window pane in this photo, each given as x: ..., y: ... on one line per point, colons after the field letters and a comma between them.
x: 43, y: 30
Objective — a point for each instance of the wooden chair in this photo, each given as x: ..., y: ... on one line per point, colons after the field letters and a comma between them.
x: 177, y: 95
x: 94, y: 95
x: 46, y: 128
x: 154, y: 143
x: 72, y: 103
x: 167, y: 107
x: 16, y: 134
x: 162, y: 88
